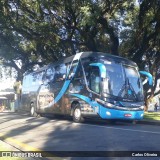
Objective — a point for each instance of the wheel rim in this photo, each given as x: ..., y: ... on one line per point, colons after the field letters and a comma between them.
x: 77, y: 113
x: 32, y: 110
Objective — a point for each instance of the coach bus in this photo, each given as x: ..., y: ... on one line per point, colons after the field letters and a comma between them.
x: 88, y: 84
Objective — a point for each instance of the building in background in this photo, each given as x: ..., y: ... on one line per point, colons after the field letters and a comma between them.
x: 7, y: 94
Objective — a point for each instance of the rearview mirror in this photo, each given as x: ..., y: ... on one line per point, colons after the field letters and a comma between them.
x: 149, y: 77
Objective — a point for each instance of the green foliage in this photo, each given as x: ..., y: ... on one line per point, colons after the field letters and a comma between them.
x: 152, y: 116
x: 17, y: 87
x: 141, y: 40
x: 51, y: 28
x: 39, y: 32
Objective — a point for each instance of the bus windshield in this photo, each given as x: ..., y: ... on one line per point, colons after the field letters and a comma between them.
x: 123, y: 82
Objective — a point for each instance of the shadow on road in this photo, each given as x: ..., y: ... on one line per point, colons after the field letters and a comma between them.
x: 60, y: 134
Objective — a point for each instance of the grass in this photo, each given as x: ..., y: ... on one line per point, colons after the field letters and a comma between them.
x: 152, y: 116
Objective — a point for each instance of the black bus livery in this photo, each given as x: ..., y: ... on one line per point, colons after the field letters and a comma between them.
x: 88, y: 84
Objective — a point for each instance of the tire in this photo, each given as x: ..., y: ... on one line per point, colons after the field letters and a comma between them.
x: 77, y: 116
x: 134, y: 122
x: 112, y: 121
x: 33, y: 112
x: 2, y: 108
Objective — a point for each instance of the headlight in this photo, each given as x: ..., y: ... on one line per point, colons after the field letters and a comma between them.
x: 142, y: 107
x: 108, y: 113
x: 105, y: 103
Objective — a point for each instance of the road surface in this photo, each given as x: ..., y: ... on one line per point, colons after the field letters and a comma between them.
x: 27, y: 133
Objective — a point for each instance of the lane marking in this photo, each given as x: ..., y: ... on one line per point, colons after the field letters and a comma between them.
x: 14, y: 141
x: 116, y: 128
x: 25, y: 147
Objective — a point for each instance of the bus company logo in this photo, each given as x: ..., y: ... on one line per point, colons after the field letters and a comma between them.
x: 6, y: 154
x: 135, y: 105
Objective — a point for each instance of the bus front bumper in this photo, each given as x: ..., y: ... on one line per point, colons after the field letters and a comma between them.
x: 106, y: 113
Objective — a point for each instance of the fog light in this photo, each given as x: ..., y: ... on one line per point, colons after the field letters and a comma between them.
x: 108, y: 113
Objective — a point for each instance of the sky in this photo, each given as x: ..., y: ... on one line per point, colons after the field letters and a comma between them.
x: 7, y: 83
x: 6, y: 80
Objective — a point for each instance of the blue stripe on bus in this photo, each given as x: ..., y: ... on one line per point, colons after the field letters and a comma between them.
x: 86, y: 99
x: 65, y: 85
x: 62, y: 91
x: 101, y: 67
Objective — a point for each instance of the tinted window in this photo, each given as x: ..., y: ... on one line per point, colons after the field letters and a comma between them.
x: 50, y: 73
x: 72, y: 69
x: 95, y: 79
x: 37, y: 78
x: 116, y: 77
x: 79, y: 72
x: 134, y: 81
x: 27, y: 81
x: 32, y: 81
x: 60, y: 72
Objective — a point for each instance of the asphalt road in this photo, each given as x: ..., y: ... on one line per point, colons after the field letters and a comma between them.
x: 51, y: 134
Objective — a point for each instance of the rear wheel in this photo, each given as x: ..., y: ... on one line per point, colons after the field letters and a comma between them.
x: 134, y: 122
x: 77, y: 116
x: 33, y: 112
x: 2, y: 108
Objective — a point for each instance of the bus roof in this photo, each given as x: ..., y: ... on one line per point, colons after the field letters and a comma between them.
x: 98, y: 55
x: 95, y: 55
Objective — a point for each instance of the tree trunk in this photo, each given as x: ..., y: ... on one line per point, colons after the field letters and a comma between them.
x: 147, y: 102
x: 146, y: 105
x: 110, y: 30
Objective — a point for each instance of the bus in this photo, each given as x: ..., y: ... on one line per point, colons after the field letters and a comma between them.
x: 88, y: 84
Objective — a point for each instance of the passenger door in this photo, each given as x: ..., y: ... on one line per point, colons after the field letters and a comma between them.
x: 59, y: 87
x: 94, y: 80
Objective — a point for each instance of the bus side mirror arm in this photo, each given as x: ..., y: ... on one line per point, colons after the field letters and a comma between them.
x: 102, y: 69
x: 148, y: 75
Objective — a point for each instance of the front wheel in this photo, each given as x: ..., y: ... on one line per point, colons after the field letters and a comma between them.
x: 33, y: 112
x: 112, y: 121
x: 77, y: 116
x: 134, y: 122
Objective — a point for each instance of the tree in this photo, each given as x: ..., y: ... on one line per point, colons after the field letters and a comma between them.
x: 38, y: 32
x: 34, y: 31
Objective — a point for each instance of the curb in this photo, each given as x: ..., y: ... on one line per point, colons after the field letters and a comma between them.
x: 149, y: 122
x: 7, y: 146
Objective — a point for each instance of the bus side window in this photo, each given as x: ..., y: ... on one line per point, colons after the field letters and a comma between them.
x: 60, y: 72
x: 94, y: 82
x: 72, y: 69
x: 50, y: 74
x: 35, y: 80
x: 79, y: 73
x: 25, y: 83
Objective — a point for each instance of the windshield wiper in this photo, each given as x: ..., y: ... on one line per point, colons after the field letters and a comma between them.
x: 128, y: 90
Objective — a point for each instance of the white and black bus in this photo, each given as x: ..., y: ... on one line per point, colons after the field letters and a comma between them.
x: 84, y: 85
